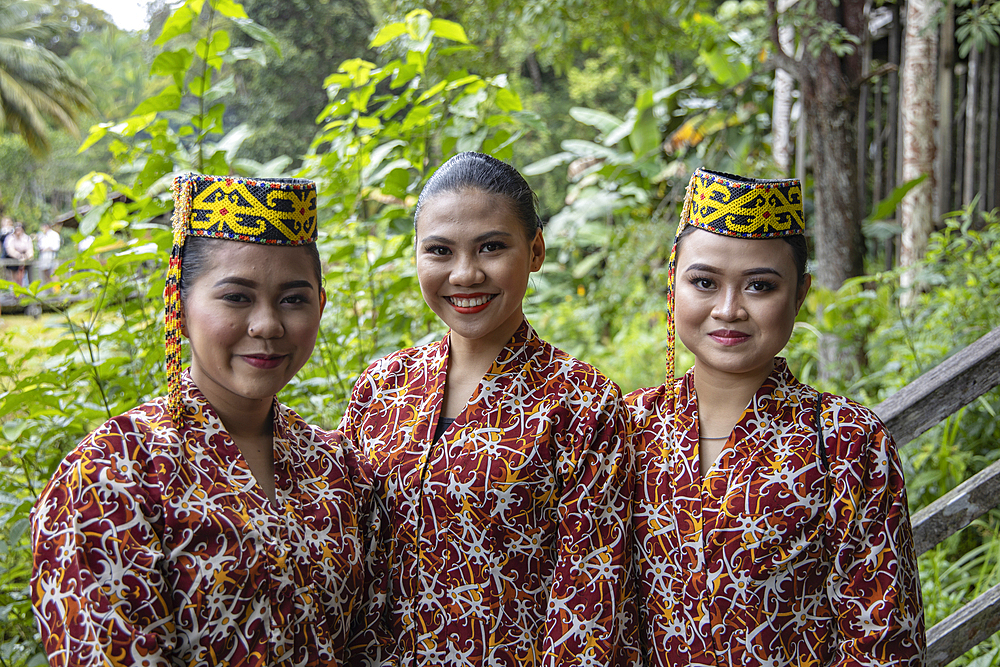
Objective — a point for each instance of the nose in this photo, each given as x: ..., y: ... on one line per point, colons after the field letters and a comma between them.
x: 265, y: 322
x: 728, y: 306
x: 466, y: 271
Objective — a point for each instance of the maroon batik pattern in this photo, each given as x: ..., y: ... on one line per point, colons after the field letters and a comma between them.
x: 776, y: 557
x: 155, y: 546
x: 507, y: 540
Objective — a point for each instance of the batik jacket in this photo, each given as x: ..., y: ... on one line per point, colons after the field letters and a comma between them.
x: 791, y: 551
x: 155, y: 546
x: 507, y: 539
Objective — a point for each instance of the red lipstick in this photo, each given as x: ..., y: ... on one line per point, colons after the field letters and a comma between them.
x: 728, y: 337
x: 263, y: 361
x: 469, y: 304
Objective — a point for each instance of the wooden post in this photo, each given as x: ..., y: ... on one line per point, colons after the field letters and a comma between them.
x: 994, y: 139
x: 946, y: 112
x: 971, y: 136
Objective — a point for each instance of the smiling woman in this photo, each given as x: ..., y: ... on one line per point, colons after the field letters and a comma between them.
x: 770, y: 519
x: 502, y: 462
x: 212, y: 526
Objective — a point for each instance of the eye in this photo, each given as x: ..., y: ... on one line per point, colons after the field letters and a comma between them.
x: 296, y: 299
x: 702, y: 283
x: 236, y: 297
x: 760, y: 286
x: 493, y: 246
x: 438, y: 250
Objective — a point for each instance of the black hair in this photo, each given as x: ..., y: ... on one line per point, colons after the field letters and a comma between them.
x: 483, y: 172
x: 198, y: 248
x: 800, y: 251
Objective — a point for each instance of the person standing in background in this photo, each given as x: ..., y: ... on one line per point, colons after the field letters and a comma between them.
x: 18, y: 246
x: 49, y: 243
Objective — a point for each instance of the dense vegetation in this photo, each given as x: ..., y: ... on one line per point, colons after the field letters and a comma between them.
x: 627, y: 118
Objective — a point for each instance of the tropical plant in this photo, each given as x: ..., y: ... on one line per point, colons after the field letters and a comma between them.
x: 36, y: 86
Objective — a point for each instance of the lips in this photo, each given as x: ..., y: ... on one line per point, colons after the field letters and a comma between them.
x: 728, y: 337
x: 470, y: 303
x: 263, y: 361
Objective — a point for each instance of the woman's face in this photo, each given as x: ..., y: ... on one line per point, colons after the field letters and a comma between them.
x: 473, y: 263
x: 736, y: 301
x: 251, y: 318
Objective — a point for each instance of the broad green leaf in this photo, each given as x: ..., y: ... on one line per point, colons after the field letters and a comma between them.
x: 178, y: 23
x: 387, y: 33
x: 724, y: 70
x: 229, y: 9
x: 396, y: 182
x: 645, y: 137
x: 260, y: 33
x: 602, y: 120
x: 418, y: 24
x: 168, y: 100
x: 13, y: 429
x: 887, y: 207
x: 170, y: 63
x: 508, y: 100
x: 449, y: 30
x: 583, y: 148
x: 547, y: 164
x: 97, y: 132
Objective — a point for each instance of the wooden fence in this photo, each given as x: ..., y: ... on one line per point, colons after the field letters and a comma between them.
x: 929, y: 399
x: 968, y: 135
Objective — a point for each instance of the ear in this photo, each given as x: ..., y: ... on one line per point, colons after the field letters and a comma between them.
x: 183, y: 319
x: 537, y: 251
x: 803, y: 290
x: 322, y: 300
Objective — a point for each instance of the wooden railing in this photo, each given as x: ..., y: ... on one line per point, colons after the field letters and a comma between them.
x: 929, y: 399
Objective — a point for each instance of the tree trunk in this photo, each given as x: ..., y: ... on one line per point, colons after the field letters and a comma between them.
x: 781, y: 117
x: 829, y: 87
x: 918, y: 109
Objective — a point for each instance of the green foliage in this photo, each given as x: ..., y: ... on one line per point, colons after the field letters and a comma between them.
x: 106, y: 355
x: 36, y: 86
x: 384, y: 128
x: 977, y: 26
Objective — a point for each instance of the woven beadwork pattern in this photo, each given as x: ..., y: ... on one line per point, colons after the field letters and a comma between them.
x: 269, y: 211
x: 745, y: 208
x: 731, y: 206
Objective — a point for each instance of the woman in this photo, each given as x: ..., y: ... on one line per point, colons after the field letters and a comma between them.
x: 771, y: 520
x: 212, y: 526
x: 501, y: 461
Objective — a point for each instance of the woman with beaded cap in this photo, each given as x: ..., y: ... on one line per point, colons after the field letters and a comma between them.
x: 212, y: 526
x: 502, y: 462
x: 771, y: 519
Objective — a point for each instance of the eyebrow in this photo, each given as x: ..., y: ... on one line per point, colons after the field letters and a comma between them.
x: 252, y: 284
x: 479, y: 239
x: 760, y: 270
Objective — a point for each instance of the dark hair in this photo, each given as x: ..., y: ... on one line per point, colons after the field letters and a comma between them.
x: 198, y: 248
x: 485, y: 173
x: 800, y: 251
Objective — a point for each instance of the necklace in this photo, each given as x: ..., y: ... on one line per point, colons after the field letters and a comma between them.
x: 705, y: 437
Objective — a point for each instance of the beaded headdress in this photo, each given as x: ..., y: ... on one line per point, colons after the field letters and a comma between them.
x: 280, y: 211
x: 732, y: 206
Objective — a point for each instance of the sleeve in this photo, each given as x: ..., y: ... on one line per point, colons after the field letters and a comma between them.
x: 874, y: 584
x: 591, y: 617
x: 370, y: 641
x: 99, y: 598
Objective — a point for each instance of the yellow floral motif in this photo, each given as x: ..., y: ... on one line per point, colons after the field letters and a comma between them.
x: 755, y: 211
x: 231, y: 204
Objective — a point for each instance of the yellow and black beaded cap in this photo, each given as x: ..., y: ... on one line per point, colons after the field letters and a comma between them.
x: 280, y: 211
x: 732, y: 206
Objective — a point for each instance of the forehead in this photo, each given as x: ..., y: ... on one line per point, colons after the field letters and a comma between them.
x: 257, y: 261
x: 466, y: 209
x: 731, y: 253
